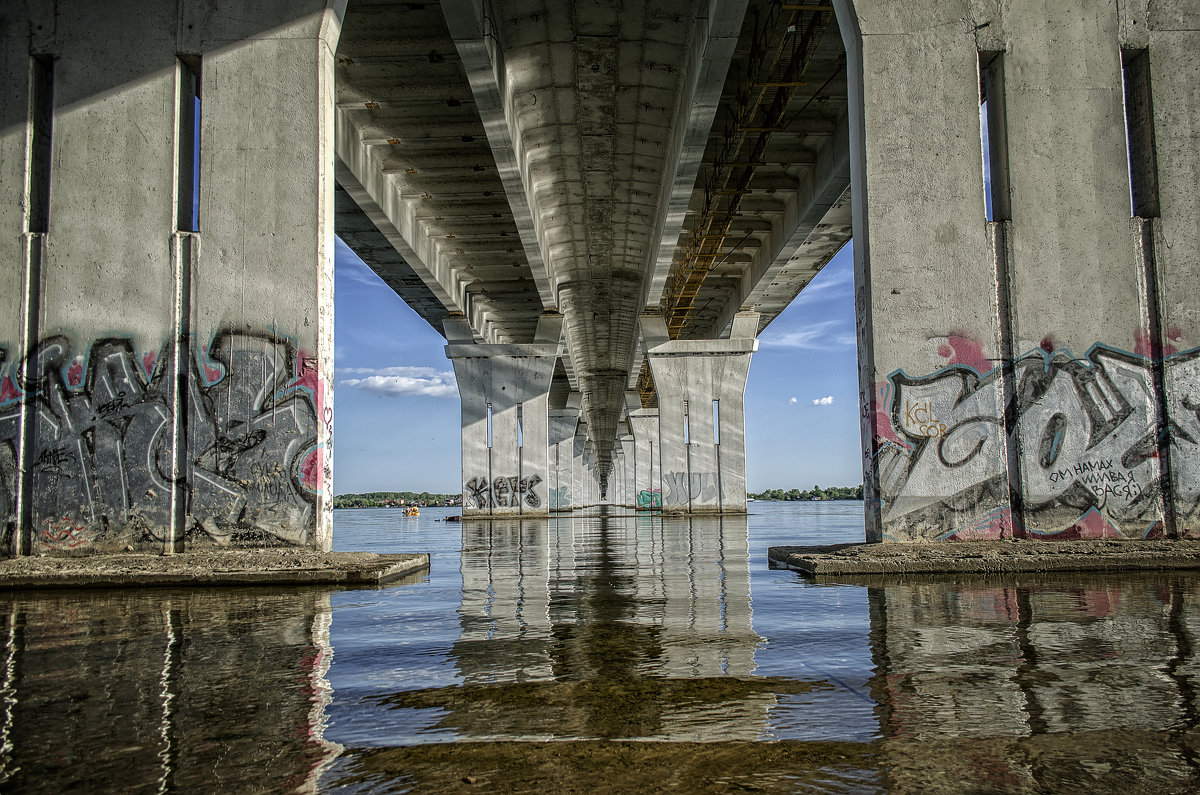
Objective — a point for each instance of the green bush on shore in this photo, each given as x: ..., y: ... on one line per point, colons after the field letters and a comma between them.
x: 387, y: 499
x: 815, y: 493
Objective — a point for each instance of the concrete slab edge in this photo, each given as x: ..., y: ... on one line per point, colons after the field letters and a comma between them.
x: 380, y: 570
x: 853, y: 560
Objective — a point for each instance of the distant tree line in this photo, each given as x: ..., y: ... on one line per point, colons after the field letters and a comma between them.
x: 388, y: 499
x: 815, y: 493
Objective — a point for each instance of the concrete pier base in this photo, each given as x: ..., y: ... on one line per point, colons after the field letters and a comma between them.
x: 988, y: 557
x: 225, y: 568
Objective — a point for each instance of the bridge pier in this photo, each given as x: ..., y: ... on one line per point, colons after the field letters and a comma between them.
x: 1028, y: 350
x: 563, y: 423
x: 166, y: 345
x: 504, y: 391
x: 701, y: 418
x: 628, y: 451
x: 646, y: 478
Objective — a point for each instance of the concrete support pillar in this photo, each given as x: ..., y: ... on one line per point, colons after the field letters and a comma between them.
x: 1170, y: 224
x: 562, y: 424
x: 647, y: 478
x: 702, y: 428
x: 167, y: 364
x: 579, y: 468
x: 628, y: 470
x: 504, y: 391
x: 1018, y: 375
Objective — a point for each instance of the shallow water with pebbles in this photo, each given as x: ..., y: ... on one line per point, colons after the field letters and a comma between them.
x: 613, y: 652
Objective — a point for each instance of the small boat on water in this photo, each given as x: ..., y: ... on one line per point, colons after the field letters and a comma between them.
x: 412, y: 510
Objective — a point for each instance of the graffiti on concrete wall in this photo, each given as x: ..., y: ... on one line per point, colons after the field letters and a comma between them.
x: 1087, y: 453
x: 560, y: 498
x: 102, y: 468
x: 503, y: 492
x: 649, y: 499
x: 682, y: 488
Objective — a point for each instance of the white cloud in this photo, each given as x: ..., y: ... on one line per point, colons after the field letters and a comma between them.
x: 813, y: 336
x: 839, y: 281
x: 825, y: 401
x: 793, y: 401
x: 402, y: 381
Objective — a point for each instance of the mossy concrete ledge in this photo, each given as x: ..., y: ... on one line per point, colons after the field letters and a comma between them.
x: 988, y: 557
x: 217, y: 568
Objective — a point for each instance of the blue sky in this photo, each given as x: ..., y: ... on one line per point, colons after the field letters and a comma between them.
x: 396, y: 425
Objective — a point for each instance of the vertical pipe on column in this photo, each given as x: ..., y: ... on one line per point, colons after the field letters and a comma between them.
x: 717, y: 445
x: 998, y: 209
x: 40, y: 133
x: 1144, y: 206
x: 184, y: 248
x: 490, y: 497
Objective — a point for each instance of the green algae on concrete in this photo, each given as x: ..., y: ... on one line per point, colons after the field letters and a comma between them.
x: 293, y: 566
x: 989, y: 557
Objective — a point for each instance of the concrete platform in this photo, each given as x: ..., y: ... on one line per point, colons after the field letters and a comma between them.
x: 218, y: 568
x: 987, y: 557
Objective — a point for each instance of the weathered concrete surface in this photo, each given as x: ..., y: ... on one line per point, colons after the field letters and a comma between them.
x: 988, y: 557
x: 221, y: 568
x: 504, y: 390
x: 1031, y: 374
x: 166, y: 383
x: 701, y: 386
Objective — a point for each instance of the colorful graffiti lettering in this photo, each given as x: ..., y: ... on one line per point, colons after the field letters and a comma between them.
x: 103, y: 456
x: 1087, y: 447
x: 503, y: 492
x: 560, y: 498
x: 683, y: 488
x: 649, y: 500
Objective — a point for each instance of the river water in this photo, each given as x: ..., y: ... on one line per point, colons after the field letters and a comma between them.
x: 615, y: 653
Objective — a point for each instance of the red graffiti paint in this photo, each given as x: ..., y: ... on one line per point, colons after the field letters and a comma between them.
x: 885, y: 431
x: 992, y: 526
x: 1143, y: 345
x: 8, y: 390
x: 961, y: 349
x: 148, y: 362
x: 1092, y: 524
x: 310, y: 469
x: 75, y: 373
x: 1047, y: 344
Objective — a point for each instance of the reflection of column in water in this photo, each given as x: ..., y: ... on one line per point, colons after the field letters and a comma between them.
x: 13, y: 641
x: 324, y: 752
x: 504, y: 612
x: 705, y: 579
x: 1031, y: 659
x: 146, y: 688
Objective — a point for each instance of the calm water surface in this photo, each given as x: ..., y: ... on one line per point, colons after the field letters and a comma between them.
x: 611, y: 653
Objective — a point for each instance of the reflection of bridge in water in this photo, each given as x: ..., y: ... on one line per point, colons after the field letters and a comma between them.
x: 610, y: 628
x: 152, y: 690
x: 615, y: 628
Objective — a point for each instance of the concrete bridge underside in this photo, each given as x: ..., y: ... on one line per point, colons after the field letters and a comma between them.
x: 600, y: 206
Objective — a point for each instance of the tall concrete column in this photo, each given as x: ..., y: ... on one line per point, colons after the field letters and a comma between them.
x: 628, y: 467
x: 166, y: 376
x: 1012, y: 367
x: 579, y: 486
x: 1169, y: 215
x: 563, y: 423
x: 646, y: 477
x: 505, y: 435
x: 701, y: 386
